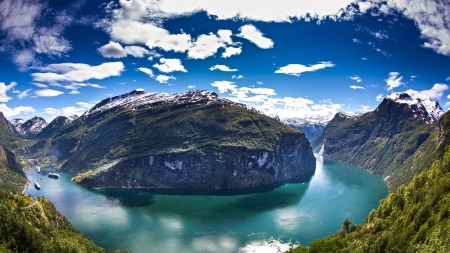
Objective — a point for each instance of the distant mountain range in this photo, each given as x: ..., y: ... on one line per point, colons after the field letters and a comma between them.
x: 386, y: 141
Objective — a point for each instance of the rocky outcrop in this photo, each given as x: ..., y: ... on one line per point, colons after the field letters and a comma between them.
x: 290, y: 158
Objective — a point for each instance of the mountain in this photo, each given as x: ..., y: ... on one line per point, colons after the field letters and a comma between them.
x: 11, y: 174
x: 28, y: 128
x: 415, y: 218
x: 38, y: 227
x: 387, y: 141
x: 311, y: 129
x: 8, y: 139
x: 54, y: 126
x: 188, y: 140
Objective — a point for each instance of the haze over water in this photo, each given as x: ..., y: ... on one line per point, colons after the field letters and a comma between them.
x: 155, y: 221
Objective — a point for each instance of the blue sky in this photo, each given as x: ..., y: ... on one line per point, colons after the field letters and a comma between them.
x: 296, y: 59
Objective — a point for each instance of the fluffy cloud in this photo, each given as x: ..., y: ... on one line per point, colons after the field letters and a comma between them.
x: 48, y: 93
x: 297, y: 69
x: 230, y: 51
x: 32, y: 28
x: 191, y: 86
x: 222, y: 68
x: 147, y: 71
x: 267, y: 10
x: 447, y: 104
x: 207, y: 45
x: 70, y: 75
x: 79, y: 109
x: 436, y: 92
x: 357, y: 87
x: 252, y: 34
x: 169, y: 65
x: 115, y: 50
x: 393, y: 81
x: 164, y: 78
x: 238, y: 77
x: 356, y: 78
x: 431, y: 17
x: 224, y: 86
x: 24, y: 94
x: 5, y: 88
x: 379, y: 97
x: 11, y: 112
x: 364, y: 6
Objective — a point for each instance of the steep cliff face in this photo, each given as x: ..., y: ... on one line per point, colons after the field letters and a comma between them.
x: 187, y: 140
x: 387, y: 141
x: 11, y: 175
x: 230, y: 167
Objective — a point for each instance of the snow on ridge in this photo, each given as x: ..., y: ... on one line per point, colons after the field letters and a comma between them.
x: 302, y: 122
x: 349, y: 115
x: 140, y: 99
x: 432, y: 108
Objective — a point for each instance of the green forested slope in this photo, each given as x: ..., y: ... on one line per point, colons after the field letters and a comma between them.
x: 12, y: 177
x: 415, y: 218
x: 39, y: 228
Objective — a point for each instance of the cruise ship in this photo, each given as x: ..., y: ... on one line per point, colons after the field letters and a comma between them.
x: 36, y: 184
x: 53, y: 175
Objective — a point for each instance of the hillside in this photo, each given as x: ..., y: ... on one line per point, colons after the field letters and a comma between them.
x: 12, y: 177
x: 188, y: 140
x: 416, y: 218
x: 38, y: 228
x: 8, y: 139
x: 54, y: 126
x: 390, y: 141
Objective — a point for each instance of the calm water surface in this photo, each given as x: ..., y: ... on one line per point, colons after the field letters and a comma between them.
x: 271, y: 221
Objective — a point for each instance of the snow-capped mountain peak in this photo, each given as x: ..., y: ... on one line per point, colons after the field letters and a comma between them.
x: 425, y: 104
x: 31, y: 126
x: 140, y: 99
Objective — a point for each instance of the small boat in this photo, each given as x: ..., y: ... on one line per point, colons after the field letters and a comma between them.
x: 39, y: 169
x: 53, y: 175
x: 37, y: 185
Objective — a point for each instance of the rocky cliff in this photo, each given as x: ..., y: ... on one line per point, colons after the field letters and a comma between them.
x: 387, y: 141
x: 188, y: 140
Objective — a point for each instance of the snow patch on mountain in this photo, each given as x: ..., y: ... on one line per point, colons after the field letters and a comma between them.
x: 432, y: 109
x: 140, y: 100
x: 31, y: 126
x: 349, y: 115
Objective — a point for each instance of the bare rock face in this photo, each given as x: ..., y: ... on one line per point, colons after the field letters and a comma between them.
x: 291, y: 157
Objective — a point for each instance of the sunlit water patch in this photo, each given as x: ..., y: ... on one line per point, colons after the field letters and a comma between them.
x: 261, y: 220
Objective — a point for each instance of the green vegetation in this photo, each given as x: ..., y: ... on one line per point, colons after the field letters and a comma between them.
x: 391, y: 141
x: 415, y: 218
x: 9, y: 140
x: 12, y: 177
x: 39, y: 228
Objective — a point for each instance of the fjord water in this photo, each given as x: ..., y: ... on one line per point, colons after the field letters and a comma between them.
x: 153, y: 221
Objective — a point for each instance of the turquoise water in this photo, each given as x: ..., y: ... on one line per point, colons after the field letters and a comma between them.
x: 268, y: 219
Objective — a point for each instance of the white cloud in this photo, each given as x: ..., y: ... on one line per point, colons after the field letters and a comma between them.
x: 112, y: 50
x: 356, y: 78
x: 77, y: 72
x: 280, y: 10
x: 5, y: 88
x: 136, y: 51
x: 364, y: 6
x: 11, y: 112
x: 448, y: 96
x: 169, y: 65
x: 447, y: 104
x: 447, y: 79
x: 365, y: 107
x: 224, y: 86
x: 68, y: 111
x: 24, y: 94
x: 379, y: 97
x: 230, y: 51
x: 357, y: 87
x: 48, y: 93
x: 297, y: 69
x: 431, y: 17
x: 252, y: 34
x: 436, y: 92
x: 147, y: 71
x: 207, y: 45
x: 222, y: 68
x: 260, y: 83
x: 237, y: 76
x: 393, y: 81
x: 164, y: 78
x: 40, y: 85
x: 364, y: 58
x: 74, y: 92
x: 115, y: 50
x: 191, y: 86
